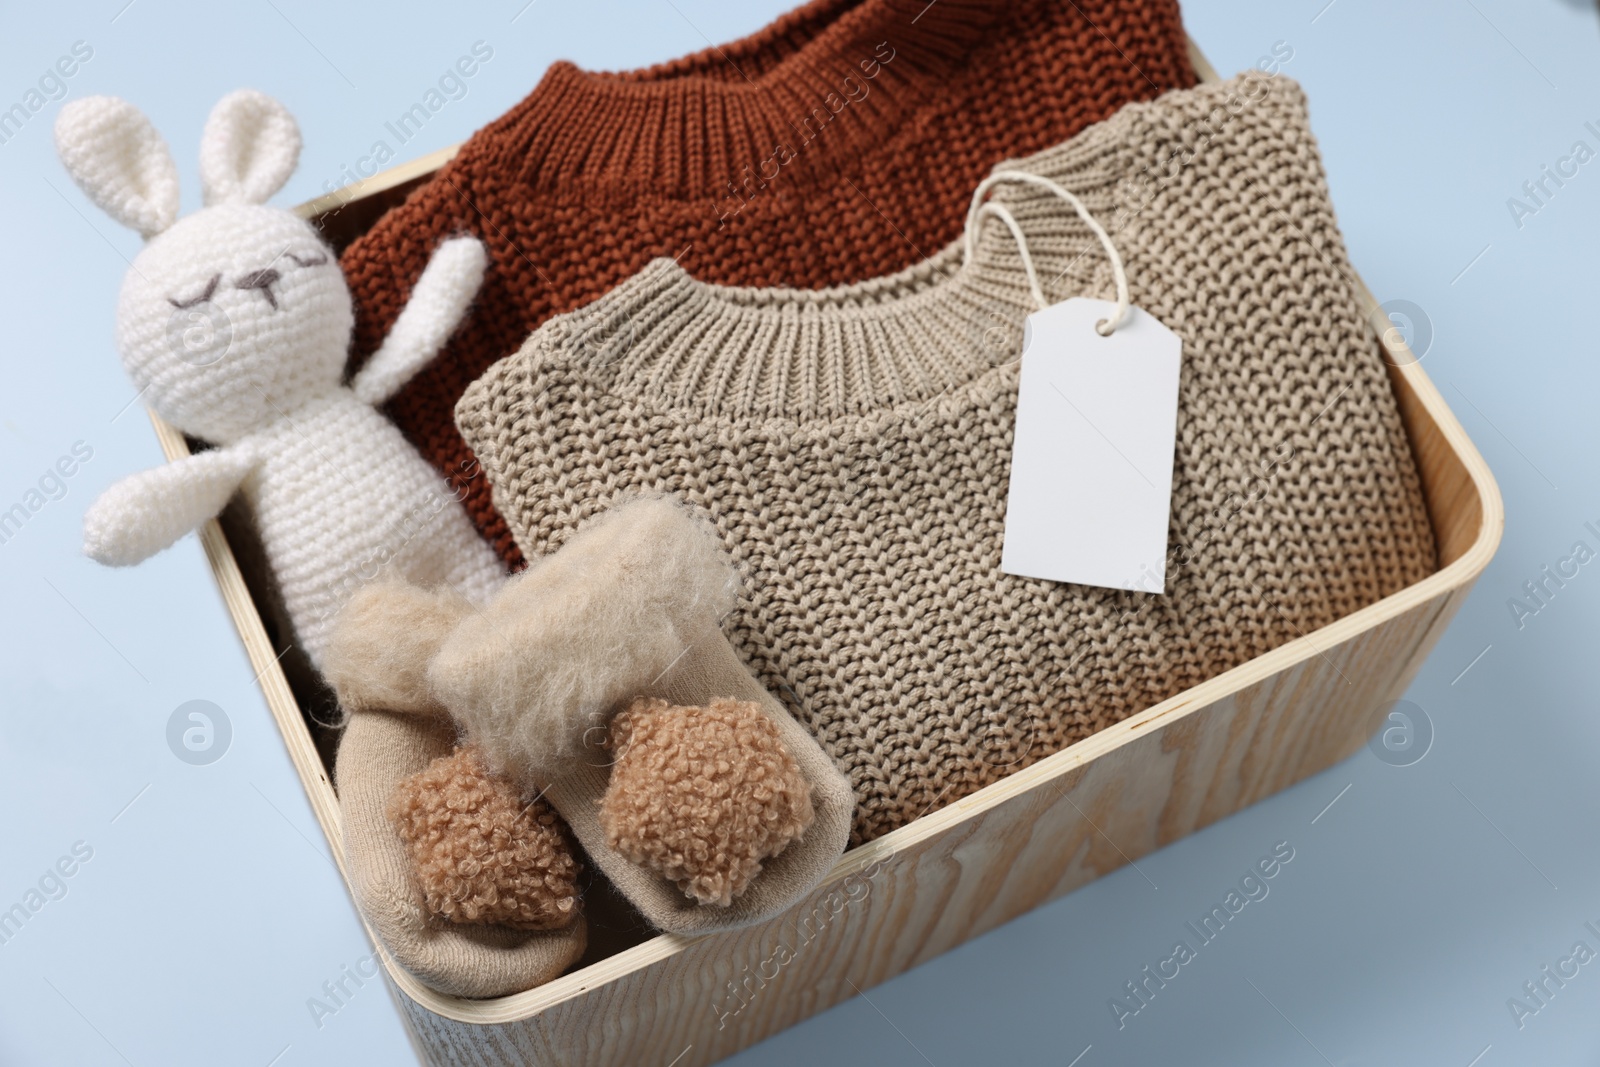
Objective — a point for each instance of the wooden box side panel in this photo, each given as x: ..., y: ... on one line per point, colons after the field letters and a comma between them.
x: 1455, y: 506
x: 921, y: 891
x: 1461, y: 496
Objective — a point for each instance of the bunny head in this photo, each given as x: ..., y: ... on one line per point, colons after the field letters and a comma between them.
x: 237, y: 314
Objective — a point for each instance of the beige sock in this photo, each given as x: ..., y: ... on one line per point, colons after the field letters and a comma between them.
x: 389, y: 634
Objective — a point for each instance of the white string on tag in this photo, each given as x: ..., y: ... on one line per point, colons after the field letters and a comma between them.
x: 980, y: 208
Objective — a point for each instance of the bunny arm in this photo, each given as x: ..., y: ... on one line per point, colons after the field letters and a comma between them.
x: 146, y: 512
x: 437, y: 305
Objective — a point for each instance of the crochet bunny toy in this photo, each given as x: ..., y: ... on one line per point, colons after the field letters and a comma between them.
x: 234, y: 323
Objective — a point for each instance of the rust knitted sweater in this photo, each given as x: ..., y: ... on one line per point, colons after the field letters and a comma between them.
x: 838, y: 144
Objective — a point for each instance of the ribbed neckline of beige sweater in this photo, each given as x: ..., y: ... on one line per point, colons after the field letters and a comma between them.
x: 853, y: 448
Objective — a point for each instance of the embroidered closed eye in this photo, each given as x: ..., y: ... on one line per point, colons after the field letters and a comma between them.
x: 315, y: 259
x: 203, y: 298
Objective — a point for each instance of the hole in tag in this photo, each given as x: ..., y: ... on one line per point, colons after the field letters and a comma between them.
x: 1103, y: 328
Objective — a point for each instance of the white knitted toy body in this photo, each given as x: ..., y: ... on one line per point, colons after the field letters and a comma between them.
x: 235, y: 323
x: 394, y: 517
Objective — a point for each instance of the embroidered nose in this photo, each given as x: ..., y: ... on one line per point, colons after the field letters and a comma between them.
x: 263, y: 280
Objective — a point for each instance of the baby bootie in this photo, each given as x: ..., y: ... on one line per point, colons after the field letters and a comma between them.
x: 703, y: 801
x: 466, y: 888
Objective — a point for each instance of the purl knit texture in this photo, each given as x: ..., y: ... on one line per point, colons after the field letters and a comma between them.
x: 853, y: 449
x: 481, y: 852
x: 702, y: 795
x: 757, y: 163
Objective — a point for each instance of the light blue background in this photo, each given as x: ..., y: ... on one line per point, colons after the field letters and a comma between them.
x: 1416, y: 904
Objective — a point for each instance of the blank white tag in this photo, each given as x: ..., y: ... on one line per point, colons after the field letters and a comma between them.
x: 1091, y: 458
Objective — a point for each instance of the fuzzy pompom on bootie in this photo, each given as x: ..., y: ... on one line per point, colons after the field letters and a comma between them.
x: 703, y: 795
x: 481, y: 854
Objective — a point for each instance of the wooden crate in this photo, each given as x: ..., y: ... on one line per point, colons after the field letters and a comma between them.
x: 983, y: 860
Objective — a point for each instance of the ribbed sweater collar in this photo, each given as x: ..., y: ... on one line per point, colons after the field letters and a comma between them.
x: 688, y: 127
x: 928, y: 331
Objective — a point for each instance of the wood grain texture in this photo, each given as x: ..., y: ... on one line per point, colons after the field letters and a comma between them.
x: 916, y: 893
x: 968, y: 867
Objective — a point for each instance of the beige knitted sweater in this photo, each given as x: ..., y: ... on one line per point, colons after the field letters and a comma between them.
x: 853, y: 449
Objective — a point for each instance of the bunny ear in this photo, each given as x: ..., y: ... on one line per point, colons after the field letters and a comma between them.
x: 120, y: 161
x: 250, y: 147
